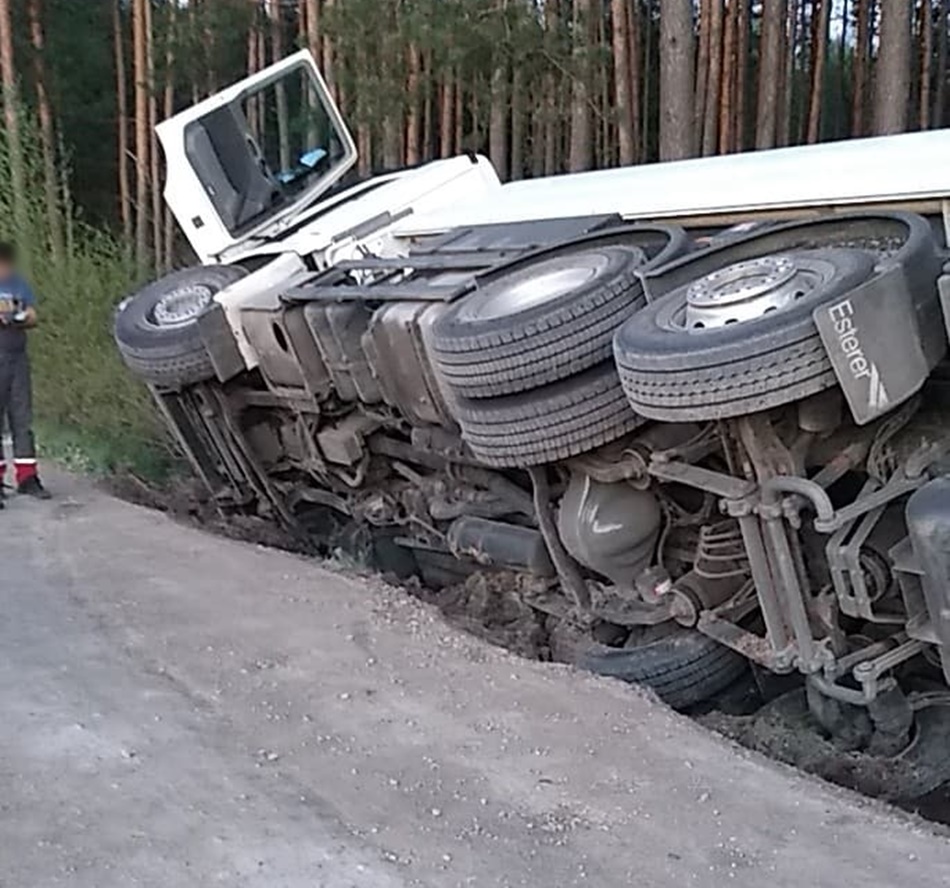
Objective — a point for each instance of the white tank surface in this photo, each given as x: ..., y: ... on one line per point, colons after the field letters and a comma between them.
x: 885, y: 171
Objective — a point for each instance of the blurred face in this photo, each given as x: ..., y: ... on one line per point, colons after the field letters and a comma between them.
x: 6, y: 268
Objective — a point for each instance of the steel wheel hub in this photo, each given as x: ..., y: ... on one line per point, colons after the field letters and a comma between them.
x: 528, y: 292
x: 182, y: 305
x: 746, y: 291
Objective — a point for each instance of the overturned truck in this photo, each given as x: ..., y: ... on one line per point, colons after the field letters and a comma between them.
x: 697, y: 410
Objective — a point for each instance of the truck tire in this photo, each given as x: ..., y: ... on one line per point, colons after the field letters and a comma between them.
x: 544, y: 322
x: 156, y: 329
x: 550, y: 423
x: 675, y: 369
x: 682, y: 666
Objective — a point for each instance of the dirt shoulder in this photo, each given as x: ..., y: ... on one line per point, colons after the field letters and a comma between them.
x: 185, y: 709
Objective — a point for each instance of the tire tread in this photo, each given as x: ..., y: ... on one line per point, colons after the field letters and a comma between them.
x: 548, y: 424
x: 536, y: 348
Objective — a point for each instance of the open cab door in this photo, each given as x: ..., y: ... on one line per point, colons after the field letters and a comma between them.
x: 245, y: 161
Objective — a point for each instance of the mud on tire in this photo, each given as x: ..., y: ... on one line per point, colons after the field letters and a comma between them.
x: 156, y: 329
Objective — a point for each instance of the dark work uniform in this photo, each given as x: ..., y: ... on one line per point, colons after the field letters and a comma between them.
x: 16, y: 402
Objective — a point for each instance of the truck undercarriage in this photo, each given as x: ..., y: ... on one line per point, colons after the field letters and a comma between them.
x: 647, y: 431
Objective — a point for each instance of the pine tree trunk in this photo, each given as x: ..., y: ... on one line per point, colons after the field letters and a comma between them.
x: 254, y: 64
x: 329, y: 56
x: 414, y: 118
x: 307, y: 20
x: 636, y: 61
x: 364, y: 148
x: 122, y: 124
x: 551, y: 129
x: 428, y: 111
x: 821, y: 10
x: 341, y: 84
x: 446, y: 116
x: 862, y: 48
x: 581, y: 148
x: 727, y: 107
x: 702, y: 73
x: 211, y: 49
x: 892, y: 81
x: 311, y: 13
x: 276, y: 23
x: 517, y: 170
x: 771, y: 70
x: 842, y: 106
x: 742, y: 76
x: 259, y: 99
x: 940, y: 92
x: 154, y: 178
x: 714, y: 88
x: 498, y: 118
x: 500, y: 101
x: 47, y: 134
x: 786, y: 90
x: 676, y: 79
x: 392, y: 142
x: 926, y: 61
x: 11, y: 119
x: 195, y: 40
x: 623, y: 81
x: 474, y: 105
x: 364, y: 120
x: 459, y: 112
x: 806, y: 36
x: 649, y: 66
x: 168, y: 109
x: 536, y: 128
x: 604, y: 139
x: 140, y: 65
x: 394, y: 112
x: 364, y: 129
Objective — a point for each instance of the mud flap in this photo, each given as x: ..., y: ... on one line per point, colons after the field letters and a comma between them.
x: 873, y: 338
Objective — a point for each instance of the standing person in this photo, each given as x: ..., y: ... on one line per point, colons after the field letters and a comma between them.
x: 17, y: 316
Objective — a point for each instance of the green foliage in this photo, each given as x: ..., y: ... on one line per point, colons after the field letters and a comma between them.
x: 81, y: 70
x: 467, y: 39
x: 89, y: 409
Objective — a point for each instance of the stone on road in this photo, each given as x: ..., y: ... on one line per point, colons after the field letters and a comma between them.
x: 178, y: 709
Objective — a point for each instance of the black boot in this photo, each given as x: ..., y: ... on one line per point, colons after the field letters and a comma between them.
x: 32, y: 486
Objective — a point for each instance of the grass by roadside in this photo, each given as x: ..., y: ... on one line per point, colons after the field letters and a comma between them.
x: 90, y: 413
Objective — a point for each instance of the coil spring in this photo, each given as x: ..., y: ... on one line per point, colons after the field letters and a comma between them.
x: 720, y: 551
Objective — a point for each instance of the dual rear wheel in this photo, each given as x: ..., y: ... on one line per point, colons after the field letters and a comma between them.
x: 527, y: 358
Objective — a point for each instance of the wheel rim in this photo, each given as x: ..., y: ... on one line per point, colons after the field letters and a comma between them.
x: 750, y: 290
x: 530, y: 290
x: 182, y: 306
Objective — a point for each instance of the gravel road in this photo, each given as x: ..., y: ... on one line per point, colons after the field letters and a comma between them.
x: 182, y: 710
